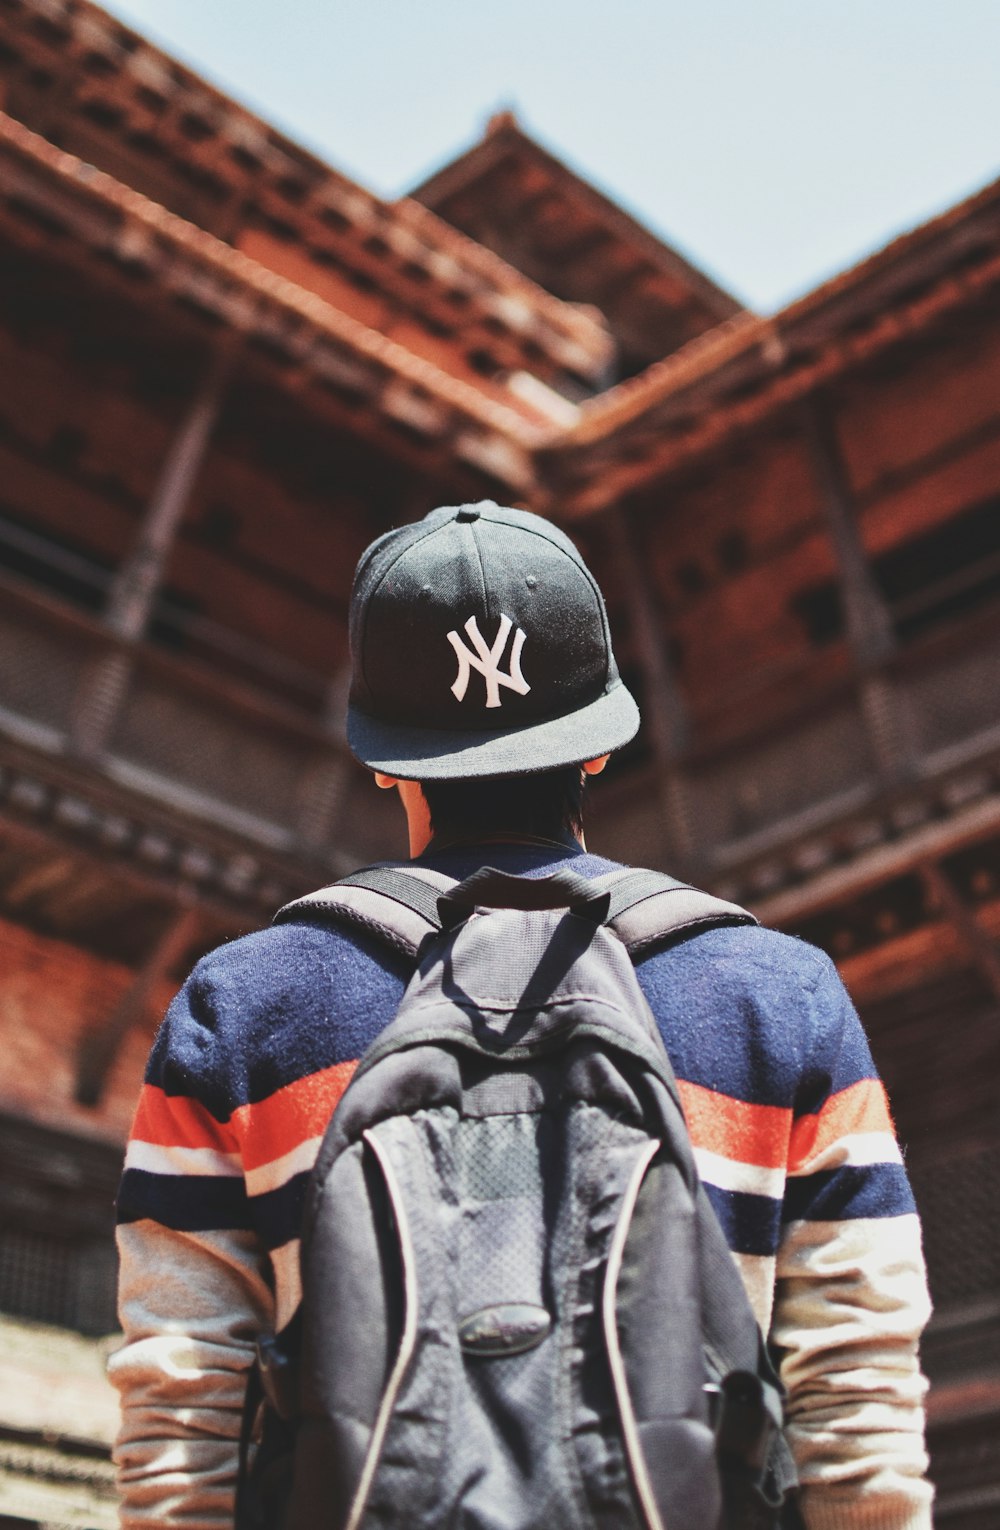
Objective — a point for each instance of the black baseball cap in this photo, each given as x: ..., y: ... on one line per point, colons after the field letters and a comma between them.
x: 480, y: 647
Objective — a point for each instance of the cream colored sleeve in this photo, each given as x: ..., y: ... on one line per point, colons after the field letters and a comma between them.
x: 191, y: 1305
x: 850, y: 1303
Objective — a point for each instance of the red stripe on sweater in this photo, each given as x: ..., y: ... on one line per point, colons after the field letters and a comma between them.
x: 173, y: 1120
x: 261, y: 1132
x: 752, y: 1134
x: 861, y: 1107
x: 273, y: 1127
x: 744, y: 1133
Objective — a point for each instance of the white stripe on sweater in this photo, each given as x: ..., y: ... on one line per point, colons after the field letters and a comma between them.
x: 271, y: 1176
x: 746, y: 1178
x: 154, y: 1158
x: 856, y: 1150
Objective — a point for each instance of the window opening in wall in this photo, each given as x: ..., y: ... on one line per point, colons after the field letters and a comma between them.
x: 691, y: 577
x: 927, y: 580
x: 821, y: 612
x: 57, y: 1255
x: 944, y: 573
x: 63, y: 568
x: 731, y: 552
x: 957, y: 1197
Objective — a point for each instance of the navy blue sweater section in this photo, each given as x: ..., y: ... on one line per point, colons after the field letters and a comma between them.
x: 749, y: 1012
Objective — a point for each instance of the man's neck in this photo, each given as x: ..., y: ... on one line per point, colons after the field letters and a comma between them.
x: 564, y: 840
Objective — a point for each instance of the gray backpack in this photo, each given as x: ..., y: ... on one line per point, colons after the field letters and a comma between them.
x: 519, y: 1310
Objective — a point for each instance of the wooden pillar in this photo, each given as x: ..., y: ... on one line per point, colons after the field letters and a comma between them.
x: 324, y: 788
x: 100, y: 1048
x: 664, y: 713
x: 104, y: 683
x: 869, y: 622
x: 944, y: 895
x: 134, y: 589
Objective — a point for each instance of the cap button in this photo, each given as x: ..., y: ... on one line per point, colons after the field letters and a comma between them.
x: 468, y: 513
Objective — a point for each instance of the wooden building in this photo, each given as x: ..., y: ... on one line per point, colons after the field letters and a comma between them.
x: 226, y: 368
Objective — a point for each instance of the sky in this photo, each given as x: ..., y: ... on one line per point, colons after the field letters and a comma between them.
x: 773, y: 142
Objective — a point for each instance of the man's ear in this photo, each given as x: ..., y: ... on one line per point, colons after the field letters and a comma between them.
x: 594, y: 767
x: 418, y: 814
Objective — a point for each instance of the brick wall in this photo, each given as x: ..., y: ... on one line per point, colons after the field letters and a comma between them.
x: 52, y: 995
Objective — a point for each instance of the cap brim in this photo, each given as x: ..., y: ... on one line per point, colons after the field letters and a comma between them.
x: 434, y: 754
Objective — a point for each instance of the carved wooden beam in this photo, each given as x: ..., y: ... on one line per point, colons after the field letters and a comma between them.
x: 869, y: 622
x: 134, y: 589
x: 897, y: 854
x: 943, y: 894
x: 104, y: 682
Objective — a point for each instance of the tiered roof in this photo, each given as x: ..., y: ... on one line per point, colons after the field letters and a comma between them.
x: 48, y: 197
x: 102, y: 92
x: 429, y: 334
x: 752, y: 367
x: 515, y: 197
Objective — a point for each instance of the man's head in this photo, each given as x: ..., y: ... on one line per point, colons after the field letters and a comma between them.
x: 480, y: 651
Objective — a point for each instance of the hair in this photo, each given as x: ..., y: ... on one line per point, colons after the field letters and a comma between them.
x: 547, y: 804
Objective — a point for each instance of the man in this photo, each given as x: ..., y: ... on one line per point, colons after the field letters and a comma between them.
x: 485, y: 692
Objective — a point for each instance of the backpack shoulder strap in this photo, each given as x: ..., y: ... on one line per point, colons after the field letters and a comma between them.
x: 400, y: 905
x: 648, y: 907
x: 397, y: 905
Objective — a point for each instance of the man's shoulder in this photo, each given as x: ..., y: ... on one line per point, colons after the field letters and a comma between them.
x: 313, y: 947
x: 308, y: 951
x: 274, y: 1006
x: 754, y: 951
x: 758, y: 953
x: 259, y: 950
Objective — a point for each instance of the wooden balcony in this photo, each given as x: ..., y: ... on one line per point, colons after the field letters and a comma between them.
x: 220, y: 768
x: 785, y: 801
x: 225, y: 753
x: 180, y: 734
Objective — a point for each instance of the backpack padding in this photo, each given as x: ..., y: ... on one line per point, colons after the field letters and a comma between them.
x: 400, y: 905
x: 648, y: 907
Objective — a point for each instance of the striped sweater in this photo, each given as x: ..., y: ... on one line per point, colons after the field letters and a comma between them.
x: 791, y: 1131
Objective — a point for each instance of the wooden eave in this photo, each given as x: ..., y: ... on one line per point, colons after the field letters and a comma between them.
x: 750, y: 368
x: 402, y: 248
x: 636, y: 248
x: 136, y: 855
x: 63, y: 197
x: 722, y: 383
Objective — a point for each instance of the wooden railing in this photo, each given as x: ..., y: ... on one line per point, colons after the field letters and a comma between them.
x: 176, y: 731
x: 227, y: 752
x: 818, y: 767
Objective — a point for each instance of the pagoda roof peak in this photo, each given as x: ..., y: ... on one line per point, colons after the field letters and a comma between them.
x: 511, y: 193
x: 504, y: 117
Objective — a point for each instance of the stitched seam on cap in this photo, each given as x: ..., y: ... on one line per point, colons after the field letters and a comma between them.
x: 470, y: 527
x: 378, y: 585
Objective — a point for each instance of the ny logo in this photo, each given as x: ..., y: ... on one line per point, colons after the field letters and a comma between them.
x: 487, y: 661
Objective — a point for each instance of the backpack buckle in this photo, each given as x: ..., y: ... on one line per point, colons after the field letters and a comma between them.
x: 741, y: 1419
x: 278, y: 1379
